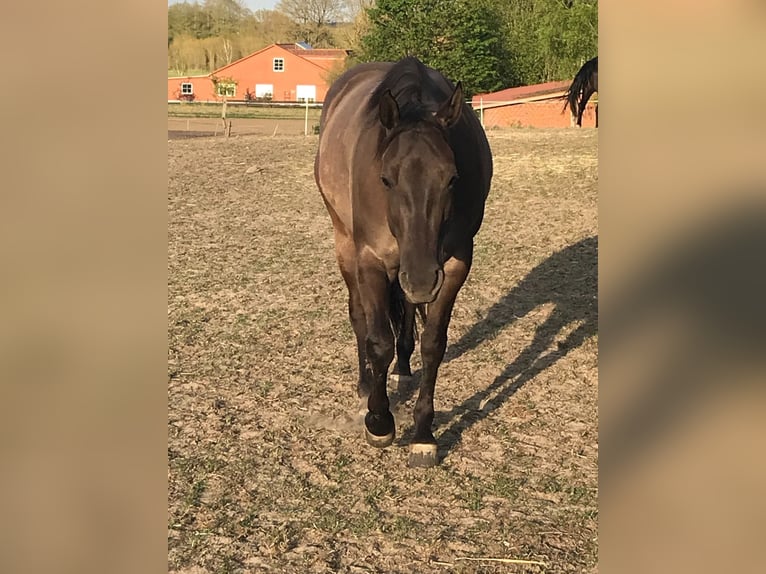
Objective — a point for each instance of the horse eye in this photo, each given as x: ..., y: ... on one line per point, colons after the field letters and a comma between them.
x: 452, y: 181
x: 386, y: 181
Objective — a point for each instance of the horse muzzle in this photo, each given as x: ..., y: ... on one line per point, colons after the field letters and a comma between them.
x: 423, y: 287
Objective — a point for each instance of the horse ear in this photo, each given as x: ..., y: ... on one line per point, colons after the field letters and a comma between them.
x: 449, y: 113
x: 389, y: 110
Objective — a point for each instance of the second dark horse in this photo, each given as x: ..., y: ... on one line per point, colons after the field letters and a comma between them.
x: 404, y: 168
x: 584, y: 85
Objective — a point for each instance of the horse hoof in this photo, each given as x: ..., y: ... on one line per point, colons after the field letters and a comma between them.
x: 404, y: 371
x: 379, y: 441
x: 379, y: 429
x: 422, y: 456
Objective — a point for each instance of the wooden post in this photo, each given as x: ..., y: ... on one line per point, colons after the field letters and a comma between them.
x: 223, y: 114
x: 306, y: 121
x: 228, y: 130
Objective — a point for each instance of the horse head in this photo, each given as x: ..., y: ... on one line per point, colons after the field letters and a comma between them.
x: 419, y: 174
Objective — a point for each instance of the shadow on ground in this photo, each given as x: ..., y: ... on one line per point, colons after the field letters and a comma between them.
x: 568, y: 280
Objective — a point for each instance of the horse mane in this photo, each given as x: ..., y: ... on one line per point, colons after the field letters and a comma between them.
x: 412, y: 88
x: 581, y: 83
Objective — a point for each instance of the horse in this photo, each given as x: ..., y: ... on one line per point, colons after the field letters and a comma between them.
x: 584, y: 85
x: 404, y: 169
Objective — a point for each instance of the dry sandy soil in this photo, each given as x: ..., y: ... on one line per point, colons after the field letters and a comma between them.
x: 182, y: 128
x: 268, y: 469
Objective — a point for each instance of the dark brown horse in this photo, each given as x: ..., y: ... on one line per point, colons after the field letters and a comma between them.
x: 584, y: 85
x: 404, y: 168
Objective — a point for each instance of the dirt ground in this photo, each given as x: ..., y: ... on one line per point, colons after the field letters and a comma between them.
x: 183, y: 128
x: 268, y: 469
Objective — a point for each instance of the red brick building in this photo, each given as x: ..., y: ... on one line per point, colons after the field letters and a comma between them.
x: 540, y: 105
x: 279, y: 73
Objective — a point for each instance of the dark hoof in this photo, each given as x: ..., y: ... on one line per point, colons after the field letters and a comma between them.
x: 403, y: 371
x: 379, y: 430
x: 422, y: 456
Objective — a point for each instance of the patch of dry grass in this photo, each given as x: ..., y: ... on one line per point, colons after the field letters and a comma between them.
x: 268, y: 470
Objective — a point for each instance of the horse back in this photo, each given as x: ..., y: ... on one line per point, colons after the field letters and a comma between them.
x: 342, y: 124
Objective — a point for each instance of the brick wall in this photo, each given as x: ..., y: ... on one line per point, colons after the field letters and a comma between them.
x: 542, y: 114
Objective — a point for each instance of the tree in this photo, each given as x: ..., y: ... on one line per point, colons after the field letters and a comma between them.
x: 548, y: 39
x: 460, y: 38
x: 272, y: 26
x: 358, y: 25
x: 224, y: 16
x: 488, y: 44
x: 185, y: 19
x: 313, y: 18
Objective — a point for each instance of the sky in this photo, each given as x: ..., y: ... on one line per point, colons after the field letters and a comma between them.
x: 252, y: 4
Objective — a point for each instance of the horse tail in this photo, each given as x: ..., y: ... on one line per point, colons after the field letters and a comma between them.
x: 573, y: 95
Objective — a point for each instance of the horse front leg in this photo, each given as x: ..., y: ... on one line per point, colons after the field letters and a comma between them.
x: 405, y: 341
x: 346, y: 255
x: 433, y: 343
x: 374, y: 290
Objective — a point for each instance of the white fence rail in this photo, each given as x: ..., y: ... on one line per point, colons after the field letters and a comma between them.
x: 224, y: 125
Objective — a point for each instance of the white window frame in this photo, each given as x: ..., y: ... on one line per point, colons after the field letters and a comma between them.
x: 278, y: 65
x: 261, y: 90
x: 298, y: 98
x: 184, y: 92
x: 222, y: 88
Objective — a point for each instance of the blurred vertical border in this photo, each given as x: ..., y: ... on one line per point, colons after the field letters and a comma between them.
x: 83, y: 254
x: 83, y: 345
x: 682, y: 215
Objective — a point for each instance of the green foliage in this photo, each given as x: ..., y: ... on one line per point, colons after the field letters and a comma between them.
x: 548, y: 39
x: 487, y: 44
x: 460, y: 38
x: 224, y: 87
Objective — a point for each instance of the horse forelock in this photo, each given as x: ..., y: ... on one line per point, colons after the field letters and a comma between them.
x: 412, y: 87
x: 416, y: 95
x: 426, y: 131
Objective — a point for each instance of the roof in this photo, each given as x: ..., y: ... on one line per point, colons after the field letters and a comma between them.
x: 323, y: 58
x: 534, y: 92
x: 188, y: 77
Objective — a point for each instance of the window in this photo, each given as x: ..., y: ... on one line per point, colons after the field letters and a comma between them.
x: 186, y: 89
x: 264, y: 91
x: 306, y: 93
x: 279, y: 65
x: 226, y: 89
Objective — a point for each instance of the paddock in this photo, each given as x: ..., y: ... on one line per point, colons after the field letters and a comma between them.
x: 268, y: 467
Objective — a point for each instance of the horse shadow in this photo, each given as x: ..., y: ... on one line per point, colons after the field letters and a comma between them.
x: 568, y: 280
x: 711, y: 282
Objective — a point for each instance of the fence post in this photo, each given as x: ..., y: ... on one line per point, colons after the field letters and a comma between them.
x: 306, y: 121
x: 481, y: 111
x: 223, y: 114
